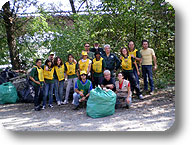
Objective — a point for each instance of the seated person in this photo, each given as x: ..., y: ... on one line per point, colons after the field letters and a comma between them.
x: 83, y: 86
x: 124, y: 95
x: 108, y: 81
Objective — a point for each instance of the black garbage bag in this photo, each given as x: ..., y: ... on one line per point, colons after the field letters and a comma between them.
x: 2, y: 80
x: 27, y: 94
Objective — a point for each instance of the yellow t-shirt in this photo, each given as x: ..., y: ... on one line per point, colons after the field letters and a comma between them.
x: 147, y: 56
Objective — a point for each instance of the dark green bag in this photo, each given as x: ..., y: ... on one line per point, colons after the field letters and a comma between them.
x: 101, y: 103
x: 8, y: 93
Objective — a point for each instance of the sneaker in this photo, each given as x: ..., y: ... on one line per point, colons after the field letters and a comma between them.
x: 73, y: 102
x: 141, y: 97
x: 65, y: 102
x: 43, y: 107
x: 59, y: 103
x: 151, y: 93
x: 51, y: 106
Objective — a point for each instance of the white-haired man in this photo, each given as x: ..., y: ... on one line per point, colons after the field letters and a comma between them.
x: 112, y: 61
x: 108, y: 81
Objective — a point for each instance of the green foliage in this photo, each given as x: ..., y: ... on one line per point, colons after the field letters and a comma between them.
x: 115, y: 22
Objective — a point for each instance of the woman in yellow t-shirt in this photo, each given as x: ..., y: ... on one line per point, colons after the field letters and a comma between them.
x: 127, y: 68
x: 59, y: 77
x: 71, y: 68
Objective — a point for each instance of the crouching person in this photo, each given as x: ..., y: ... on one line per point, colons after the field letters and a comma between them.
x: 83, y: 86
x: 37, y: 78
x: 124, y: 95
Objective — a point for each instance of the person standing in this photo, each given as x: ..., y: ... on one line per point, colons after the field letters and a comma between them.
x: 59, y: 78
x: 51, y: 57
x: 83, y: 86
x: 37, y: 78
x: 97, y: 48
x: 147, y: 55
x: 89, y: 53
x: 127, y: 67
x: 49, y: 83
x: 135, y: 53
x: 112, y: 61
x: 85, y: 63
x: 98, y: 67
x: 71, y: 68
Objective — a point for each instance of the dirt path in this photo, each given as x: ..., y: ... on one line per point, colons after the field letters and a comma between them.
x: 154, y: 113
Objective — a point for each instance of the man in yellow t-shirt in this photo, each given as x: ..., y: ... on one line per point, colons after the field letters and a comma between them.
x: 148, y: 55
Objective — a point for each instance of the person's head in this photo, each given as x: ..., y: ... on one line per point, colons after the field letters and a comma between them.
x: 70, y: 57
x: 96, y: 45
x: 48, y: 62
x: 83, y: 75
x: 131, y: 45
x: 38, y: 62
x: 145, y: 44
x: 107, y: 75
x: 84, y: 55
x: 124, y: 51
x: 51, y: 56
x: 97, y: 55
x: 107, y: 48
x: 120, y: 76
x: 58, y: 61
x: 87, y: 46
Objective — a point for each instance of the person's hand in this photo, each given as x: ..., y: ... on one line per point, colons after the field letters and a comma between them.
x: 75, y: 61
x: 138, y: 73
x: 37, y: 82
x: 83, y: 98
x: 132, y: 56
x: 46, y: 68
x: 128, y: 101
x: 81, y: 94
x: 155, y: 67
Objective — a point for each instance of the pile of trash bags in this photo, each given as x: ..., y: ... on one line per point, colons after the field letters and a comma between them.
x: 101, y: 103
x: 20, y: 83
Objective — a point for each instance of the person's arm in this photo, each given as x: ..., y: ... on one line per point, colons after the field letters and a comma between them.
x: 104, y: 65
x: 155, y: 62
x: 89, y: 67
x: 77, y: 91
x: 31, y: 77
x: 129, y: 90
x: 111, y: 86
x: 138, y: 56
x: 136, y: 68
x: 118, y: 62
x: 37, y: 82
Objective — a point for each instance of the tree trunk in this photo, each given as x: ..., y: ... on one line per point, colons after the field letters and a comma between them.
x: 10, y: 29
x: 72, y: 6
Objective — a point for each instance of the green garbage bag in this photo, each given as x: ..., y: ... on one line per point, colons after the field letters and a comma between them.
x: 101, y: 103
x: 8, y: 93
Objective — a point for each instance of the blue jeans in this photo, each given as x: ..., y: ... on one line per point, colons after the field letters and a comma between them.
x: 59, y: 89
x: 147, y: 72
x: 48, y: 89
x: 76, y: 98
x: 98, y: 81
x: 136, y: 75
x: 70, y: 81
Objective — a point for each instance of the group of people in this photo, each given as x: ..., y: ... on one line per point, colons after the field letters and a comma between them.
x: 96, y: 67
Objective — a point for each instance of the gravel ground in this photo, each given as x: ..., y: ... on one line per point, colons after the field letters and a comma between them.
x: 154, y: 113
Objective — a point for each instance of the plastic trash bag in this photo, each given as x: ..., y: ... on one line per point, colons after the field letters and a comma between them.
x: 101, y: 103
x: 8, y: 93
x: 27, y: 94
